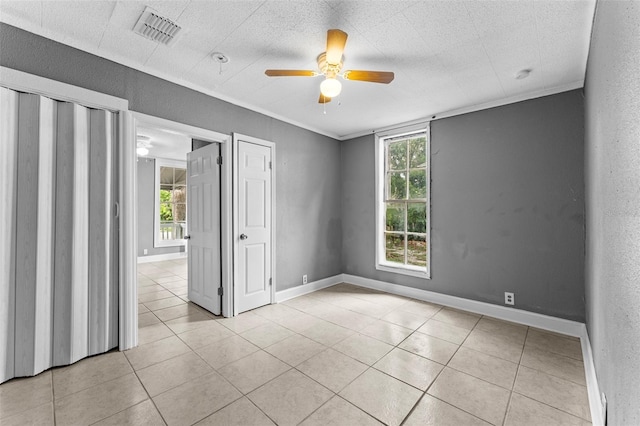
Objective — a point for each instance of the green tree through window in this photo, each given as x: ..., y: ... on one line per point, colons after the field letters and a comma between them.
x: 405, y: 200
x: 173, y: 199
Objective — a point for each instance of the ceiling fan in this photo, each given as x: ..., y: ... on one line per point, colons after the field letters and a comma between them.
x: 330, y: 65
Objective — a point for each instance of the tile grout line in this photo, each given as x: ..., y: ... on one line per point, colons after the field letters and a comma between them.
x: 359, y: 332
x: 551, y: 406
x: 506, y: 409
x: 53, y: 399
x: 218, y: 373
x: 145, y: 391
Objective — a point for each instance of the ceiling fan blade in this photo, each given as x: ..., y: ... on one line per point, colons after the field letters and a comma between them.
x: 323, y: 99
x: 384, y: 77
x: 290, y: 73
x: 336, y: 40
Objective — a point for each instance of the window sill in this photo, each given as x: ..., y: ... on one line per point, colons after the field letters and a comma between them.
x: 404, y: 270
x: 173, y: 243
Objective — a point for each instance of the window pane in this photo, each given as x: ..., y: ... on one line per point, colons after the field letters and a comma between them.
x: 180, y: 213
x: 181, y: 176
x: 178, y: 231
x: 166, y: 212
x: 397, y: 155
x: 395, y: 217
x: 417, y: 184
x: 166, y: 231
x: 180, y: 194
x: 166, y: 175
x: 417, y: 153
x: 165, y: 193
x: 397, y: 186
x: 394, y: 248
x: 417, y: 218
x: 416, y: 250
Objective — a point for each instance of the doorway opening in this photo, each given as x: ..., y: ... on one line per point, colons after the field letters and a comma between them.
x: 172, y: 159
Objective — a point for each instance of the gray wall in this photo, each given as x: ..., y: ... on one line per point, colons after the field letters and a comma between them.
x: 308, y: 182
x: 507, y: 206
x: 613, y: 206
x: 197, y: 144
x: 146, y: 210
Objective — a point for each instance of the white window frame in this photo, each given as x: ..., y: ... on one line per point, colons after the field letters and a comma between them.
x: 157, y: 240
x: 380, y: 261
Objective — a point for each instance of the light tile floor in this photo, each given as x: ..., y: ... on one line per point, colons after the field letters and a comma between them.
x: 343, y: 355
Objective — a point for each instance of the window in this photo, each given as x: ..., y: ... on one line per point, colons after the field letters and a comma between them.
x: 403, y: 193
x: 171, y: 203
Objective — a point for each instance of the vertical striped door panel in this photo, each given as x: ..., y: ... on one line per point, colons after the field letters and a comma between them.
x: 100, y: 214
x: 8, y: 169
x: 59, y: 285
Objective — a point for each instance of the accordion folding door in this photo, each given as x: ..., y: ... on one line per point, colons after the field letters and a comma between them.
x: 58, y: 233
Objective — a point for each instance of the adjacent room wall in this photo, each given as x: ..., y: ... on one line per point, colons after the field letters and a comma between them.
x: 308, y: 182
x: 146, y: 210
x: 507, y: 206
x: 613, y: 206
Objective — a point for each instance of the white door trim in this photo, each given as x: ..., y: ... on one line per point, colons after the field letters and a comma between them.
x: 225, y: 190
x: 126, y: 207
x: 237, y: 137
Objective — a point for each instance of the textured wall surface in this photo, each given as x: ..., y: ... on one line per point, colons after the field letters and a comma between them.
x: 308, y: 183
x: 507, y: 206
x: 613, y: 206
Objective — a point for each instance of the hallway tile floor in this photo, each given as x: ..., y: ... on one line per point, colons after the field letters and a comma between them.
x: 343, y: 355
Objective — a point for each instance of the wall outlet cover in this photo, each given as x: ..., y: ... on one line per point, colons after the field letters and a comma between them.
x: 509, y: 298
x: 304, y: 279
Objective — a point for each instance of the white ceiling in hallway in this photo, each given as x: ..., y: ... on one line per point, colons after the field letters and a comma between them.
x: 446, y: 55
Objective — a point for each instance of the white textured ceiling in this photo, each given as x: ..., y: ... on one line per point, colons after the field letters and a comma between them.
x: 165, y: 144
x: 446, y: 55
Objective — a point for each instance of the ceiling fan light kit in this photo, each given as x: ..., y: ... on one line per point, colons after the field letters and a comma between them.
x: 330, y: 64
x: 143, y: 144
x: 330, y: 87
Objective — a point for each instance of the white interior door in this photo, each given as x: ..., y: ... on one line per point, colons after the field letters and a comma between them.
x: 254, y: 225
x: 203, y: 223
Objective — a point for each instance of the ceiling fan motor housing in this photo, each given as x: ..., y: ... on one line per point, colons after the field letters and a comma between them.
x: 329, y: 70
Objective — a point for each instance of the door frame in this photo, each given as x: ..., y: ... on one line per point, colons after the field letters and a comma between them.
x: 224, y: 140
x: 237, y: 137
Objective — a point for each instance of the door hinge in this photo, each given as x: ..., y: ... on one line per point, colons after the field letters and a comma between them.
x: 219, y: 161
x: 269, y: 281
x: 220, y: 291
x: 269, y: 164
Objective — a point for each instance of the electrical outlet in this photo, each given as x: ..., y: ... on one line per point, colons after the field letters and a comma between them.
x: 146, y: 251
x: 509, y: 298
x: 304, y: 279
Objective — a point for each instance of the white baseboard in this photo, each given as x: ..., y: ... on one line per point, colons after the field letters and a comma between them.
x: 546, y: 322
x: 161, y: 257
x: 595, y: 402
x: 300, y: 290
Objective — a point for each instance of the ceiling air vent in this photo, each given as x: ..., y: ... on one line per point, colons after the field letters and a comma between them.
x: 157, y: 28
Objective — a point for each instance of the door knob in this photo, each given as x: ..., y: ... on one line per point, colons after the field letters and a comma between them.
x: 243, y: 237
x: 187, y: 237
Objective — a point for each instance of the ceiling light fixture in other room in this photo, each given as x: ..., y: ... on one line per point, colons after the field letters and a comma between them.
x: 330, y: 87
x: 142, y: 151
x: 220, y: 57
